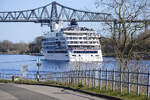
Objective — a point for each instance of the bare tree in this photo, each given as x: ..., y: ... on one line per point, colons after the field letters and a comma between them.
x: 125, y: 32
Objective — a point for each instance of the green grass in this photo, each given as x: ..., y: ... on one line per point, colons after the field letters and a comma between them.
x: 5, y: 81
x: 124, y: 95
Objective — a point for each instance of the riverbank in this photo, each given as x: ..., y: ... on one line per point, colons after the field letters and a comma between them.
x: 141, y: 55
x: 11, y: 53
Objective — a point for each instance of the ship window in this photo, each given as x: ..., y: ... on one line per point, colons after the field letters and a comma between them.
x: 43, y: 39
x: 50, y: 51
x: 74, y: 37
x: 56, y: 51
x: 85, y: 51
x: 95, y: 51
x: 85, y: 38
x: 70, y: 38
x: 73, y: 55
x: 50, y: 47
x: 60, y: 51
x: 80, y: 37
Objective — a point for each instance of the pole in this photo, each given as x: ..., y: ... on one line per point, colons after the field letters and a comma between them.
x: 38, y: 71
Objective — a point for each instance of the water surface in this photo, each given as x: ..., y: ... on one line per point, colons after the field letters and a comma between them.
x: 14, y: 63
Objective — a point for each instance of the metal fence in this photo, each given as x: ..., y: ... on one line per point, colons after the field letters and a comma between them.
x: 8, y: 76
x: 138, y: 82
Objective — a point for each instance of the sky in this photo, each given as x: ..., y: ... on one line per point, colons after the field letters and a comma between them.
x: 26, y: 32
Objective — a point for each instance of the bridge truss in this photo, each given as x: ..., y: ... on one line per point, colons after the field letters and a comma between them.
x: 52, y: 12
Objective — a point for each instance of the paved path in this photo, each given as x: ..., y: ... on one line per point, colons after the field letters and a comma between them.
x: 9, y: 91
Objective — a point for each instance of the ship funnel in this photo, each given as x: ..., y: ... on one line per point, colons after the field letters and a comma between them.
x: 73, y: 22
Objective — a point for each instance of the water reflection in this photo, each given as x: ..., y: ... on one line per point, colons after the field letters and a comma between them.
x: 59, y: 66
x: 84, y: 65
x: 54, y: 66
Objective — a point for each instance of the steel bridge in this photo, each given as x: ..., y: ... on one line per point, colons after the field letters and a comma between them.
x: 52, y: 12
x: 55, y: 12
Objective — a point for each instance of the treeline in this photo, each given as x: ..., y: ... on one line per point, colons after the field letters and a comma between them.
x: 35, y: 46
x: 8, y: 47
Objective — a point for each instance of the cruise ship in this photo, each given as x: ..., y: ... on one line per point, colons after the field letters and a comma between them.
x: 72, y: 43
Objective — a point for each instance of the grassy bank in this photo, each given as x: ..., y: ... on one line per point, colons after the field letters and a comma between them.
x: 85, y: 89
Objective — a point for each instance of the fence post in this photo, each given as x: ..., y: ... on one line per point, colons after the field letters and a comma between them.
x: 59, y: 77
x: 78, y: 76
x: 100, y: 79
x: 68, y: 77
x: 89, y: 79
x: 65, y: 77
x: 75, y: 76
x: 81, y: 75
x: 129, y: 85
x: 85, y: 77
x: 106, y: 87
x: 94, y: 78
x: 121, y: 81
x: 148, y: 82
x: 69, y: 72
x: 62, y: 77
x: 76, y: 80
x: 138, y: 87
x: 113, y: 80
x: 71, y: 75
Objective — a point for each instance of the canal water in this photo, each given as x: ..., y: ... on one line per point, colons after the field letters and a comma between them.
x: 15, y: 63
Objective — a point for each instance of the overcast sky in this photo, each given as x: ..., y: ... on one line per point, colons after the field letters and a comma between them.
x: 26, y: 32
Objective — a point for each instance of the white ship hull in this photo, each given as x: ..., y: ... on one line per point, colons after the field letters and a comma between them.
x: 74, y: 57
